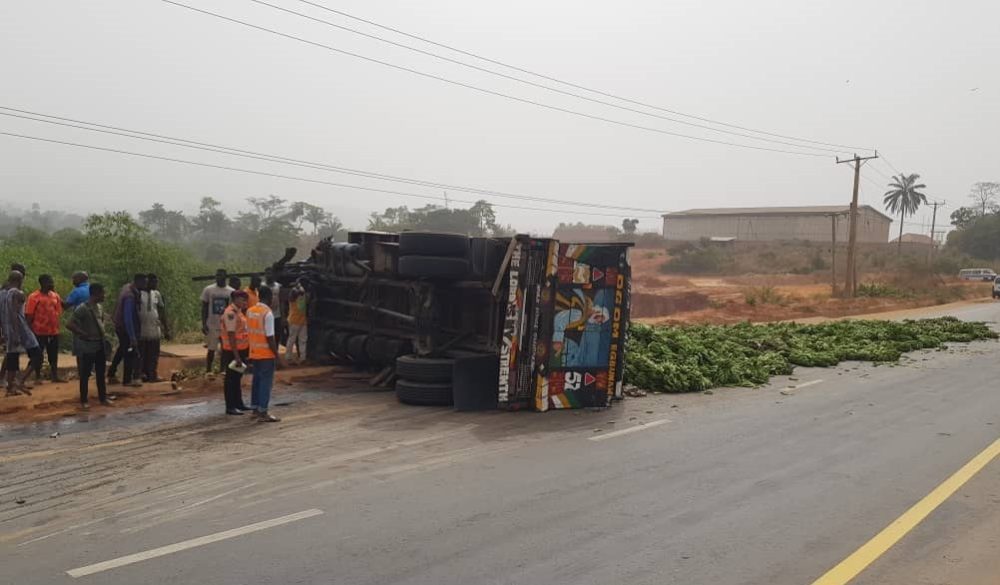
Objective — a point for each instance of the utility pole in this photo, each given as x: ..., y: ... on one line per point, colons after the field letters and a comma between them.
x: 934, y: 225
x: 833, y: 254
x: 851, y: 282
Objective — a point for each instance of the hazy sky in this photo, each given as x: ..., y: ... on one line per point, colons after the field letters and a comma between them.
x: 895, y: 75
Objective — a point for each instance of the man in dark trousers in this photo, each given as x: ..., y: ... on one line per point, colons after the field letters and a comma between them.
x: 42, y: 311
x: 235, y: 351
x: 152, y: 328
x: 126, y: 320
x: 87, y: 325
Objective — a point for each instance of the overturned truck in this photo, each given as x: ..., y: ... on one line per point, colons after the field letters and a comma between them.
x: 512, y: 323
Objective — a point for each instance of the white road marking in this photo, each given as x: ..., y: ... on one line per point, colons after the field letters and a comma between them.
x: 792, y: 389
x: 630, y: 430
x: 216, y: 497
x: 194, y: 542
x: 63, y: 531
x: 809, y: 383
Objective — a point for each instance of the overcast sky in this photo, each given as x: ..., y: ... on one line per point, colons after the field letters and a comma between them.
x: 919, y: 80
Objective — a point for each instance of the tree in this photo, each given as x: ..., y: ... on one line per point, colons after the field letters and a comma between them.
x: 483, y: 211
x: 478, y: 220
x: 165, y: 224
x: 629, y: 226
x: 905, y: 198
x: 984, y: 193
x: 317, y: 216
x: 211, y: 222
x: 963, y: 217
x: 979, y: 239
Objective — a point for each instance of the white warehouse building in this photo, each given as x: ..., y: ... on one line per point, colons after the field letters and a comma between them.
x: 767, y: 224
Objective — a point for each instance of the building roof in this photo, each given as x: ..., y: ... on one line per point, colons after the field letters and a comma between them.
x: 916, y: 239
x: 805, y: 210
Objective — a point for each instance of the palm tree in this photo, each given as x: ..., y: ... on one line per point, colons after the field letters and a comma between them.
x: 903, y: 197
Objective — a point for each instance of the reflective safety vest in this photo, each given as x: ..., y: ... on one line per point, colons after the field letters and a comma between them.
x: 260, y: 349
x: 234, y: 321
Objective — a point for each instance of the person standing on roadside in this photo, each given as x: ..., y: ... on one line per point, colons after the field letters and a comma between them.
x: 80, y: 292
x: 152, y: 328
x: 214, y: 300
x: 277, y: 309
x: 235, y: 283
x: 126, y: 320
x: 87, y: 326
x: 15, y: 266
x: 42, y: 311
x: 264, y: 354
x: 18, y: 336
x: 298, y: 323
x: 253, y: 291
x: 235, y: 352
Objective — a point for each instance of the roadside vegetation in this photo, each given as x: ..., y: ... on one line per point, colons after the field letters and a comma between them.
x: 175, y: 246
x: 699, y: 357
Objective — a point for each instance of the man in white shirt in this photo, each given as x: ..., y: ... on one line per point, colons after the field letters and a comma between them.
x: 279, y: 321
x: 214, y: 300
x: 152, y: 328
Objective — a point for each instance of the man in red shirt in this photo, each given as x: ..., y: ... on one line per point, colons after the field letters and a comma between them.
x: 42, y: 311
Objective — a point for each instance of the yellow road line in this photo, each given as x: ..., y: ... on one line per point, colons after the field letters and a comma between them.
x: 852, y: 566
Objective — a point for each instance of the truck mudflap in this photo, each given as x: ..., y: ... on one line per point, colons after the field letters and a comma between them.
x: 565, y: 326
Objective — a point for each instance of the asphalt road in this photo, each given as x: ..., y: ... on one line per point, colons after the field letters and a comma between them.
x: 745, y: 486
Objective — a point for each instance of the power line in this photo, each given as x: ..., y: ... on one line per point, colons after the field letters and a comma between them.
x: 488, y: 91
x: 891, y: 166
x: 883, y: 175
x: 163, y: 139
x: 538, y: 85
x: 290, y: 177
x: 570, y: 84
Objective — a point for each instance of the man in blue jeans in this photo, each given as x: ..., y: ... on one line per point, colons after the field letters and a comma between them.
x: 264, y: 354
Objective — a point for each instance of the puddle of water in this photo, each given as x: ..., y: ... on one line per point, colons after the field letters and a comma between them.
x: 101, y: 418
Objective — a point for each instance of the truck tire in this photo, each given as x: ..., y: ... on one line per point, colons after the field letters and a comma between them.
x: 435, y: 267
x: 419, y: 369
x: 385, y: 350
x: 423, y: 393
x: 338, y: 343
x: 356, y: 348
x: 486, y: 255
x: 433, y: 244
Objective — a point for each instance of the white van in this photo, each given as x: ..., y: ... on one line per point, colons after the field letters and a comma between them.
x: 983, y: 274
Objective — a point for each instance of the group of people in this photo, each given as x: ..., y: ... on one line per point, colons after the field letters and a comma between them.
x: 247, y: 325
x: 243, y: 326
x: 30, y: 324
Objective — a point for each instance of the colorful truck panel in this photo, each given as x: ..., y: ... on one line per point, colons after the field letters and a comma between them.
x: 566, y: 325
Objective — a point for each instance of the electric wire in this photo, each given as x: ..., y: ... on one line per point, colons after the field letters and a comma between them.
x: 205, y: 146
x: 291, y: 177
x: 575, y: 85
x: 540, y: 85
x: 488, y: 91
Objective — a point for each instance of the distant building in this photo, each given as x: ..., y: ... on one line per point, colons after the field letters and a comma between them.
x: 915, y: 239
x: 768, y: 224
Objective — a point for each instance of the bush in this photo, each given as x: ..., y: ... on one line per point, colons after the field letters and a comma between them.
x: 112, y: 249
x: 699, y: 260
x: 879, y: 290
x: 763, y: 295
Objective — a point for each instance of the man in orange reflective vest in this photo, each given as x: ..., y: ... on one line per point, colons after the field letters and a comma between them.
x: 263, y: 353
x: 235, y: 338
